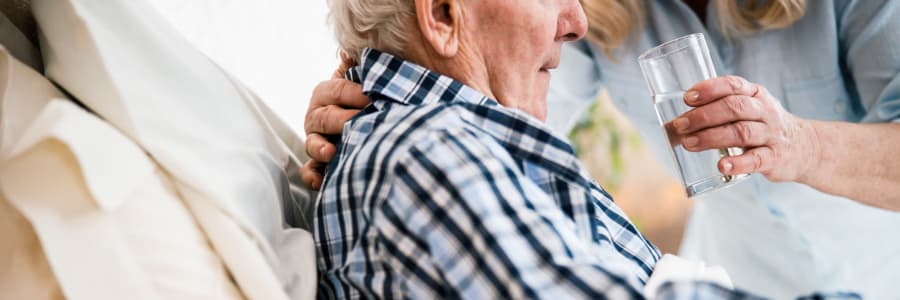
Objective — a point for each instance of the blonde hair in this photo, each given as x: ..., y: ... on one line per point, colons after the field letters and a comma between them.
x: 380, y: 24
x: 611, y: 22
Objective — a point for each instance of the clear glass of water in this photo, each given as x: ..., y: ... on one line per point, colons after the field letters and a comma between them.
x: 670, y: 69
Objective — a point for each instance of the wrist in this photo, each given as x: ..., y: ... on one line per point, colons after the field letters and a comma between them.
x: 813, y: 151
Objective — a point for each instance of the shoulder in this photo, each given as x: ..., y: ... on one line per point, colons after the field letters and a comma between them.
x: 407, y: 125
x: 401, y: 133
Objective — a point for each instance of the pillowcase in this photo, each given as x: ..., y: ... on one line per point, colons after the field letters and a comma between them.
x: 125, y: 63
x: 24, y: 271
x: 85, y: 213
x: 111, y: 226
x: 23, y: 93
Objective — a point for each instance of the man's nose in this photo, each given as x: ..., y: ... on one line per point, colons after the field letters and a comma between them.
x: 572, y: 24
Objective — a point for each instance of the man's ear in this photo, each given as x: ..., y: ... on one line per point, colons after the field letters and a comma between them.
x: 440, y: 22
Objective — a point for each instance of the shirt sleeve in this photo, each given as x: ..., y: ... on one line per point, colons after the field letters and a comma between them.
x: 706, y: 290
x: 870, y: 41
x: 574, y: 86
x: 489, y: 233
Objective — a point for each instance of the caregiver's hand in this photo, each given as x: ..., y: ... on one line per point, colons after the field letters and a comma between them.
x: 333, y: 102
x: 732, y: 112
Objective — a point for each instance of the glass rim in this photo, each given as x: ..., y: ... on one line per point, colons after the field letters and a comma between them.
x: 663, y: 49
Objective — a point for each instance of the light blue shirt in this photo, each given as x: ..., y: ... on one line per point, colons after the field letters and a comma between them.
x: 840, y: 62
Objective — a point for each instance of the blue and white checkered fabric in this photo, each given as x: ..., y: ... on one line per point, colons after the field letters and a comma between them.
x: 439, y: 192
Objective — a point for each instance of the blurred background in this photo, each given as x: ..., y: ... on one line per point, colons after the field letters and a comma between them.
x: 614, y: 153
x: 282, y: 48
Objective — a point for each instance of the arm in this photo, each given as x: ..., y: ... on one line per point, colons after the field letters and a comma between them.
x: 857, y: 161
x: 865, y: 154
x: 491, y: 232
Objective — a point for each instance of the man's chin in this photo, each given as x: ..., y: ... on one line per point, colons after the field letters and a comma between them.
x: 537, y: 109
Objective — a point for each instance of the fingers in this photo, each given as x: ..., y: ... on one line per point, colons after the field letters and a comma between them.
x: 333, y: 103
x: 756, y: 160
x: 311, y: 174
x: 740, y: 134
x: 726, y: 110
x: 327, y: 113
x: 319, y: 148
x: 339, y: 92
x: 712, y: 89
x: 672, y: 134
x: 328, y: 119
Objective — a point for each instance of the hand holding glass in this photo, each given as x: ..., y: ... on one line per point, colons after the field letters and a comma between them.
x: 670, y: 69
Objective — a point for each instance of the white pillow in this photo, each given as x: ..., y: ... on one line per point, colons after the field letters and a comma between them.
x: 111, y: 227
x: 85, y: 213
x: 23, y: 93
x: 24, y: 271
x: 124, y: 62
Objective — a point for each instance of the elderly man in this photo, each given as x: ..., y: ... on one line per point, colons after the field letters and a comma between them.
x: 449, y: 185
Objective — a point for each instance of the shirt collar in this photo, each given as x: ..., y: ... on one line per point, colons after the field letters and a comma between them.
x: 387, y: 77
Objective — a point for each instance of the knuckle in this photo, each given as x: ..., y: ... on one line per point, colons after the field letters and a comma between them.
x: 763, y: 90
x: 744, y: 132
x: 736, y: 105
x: 335, y: 91
x: 343, y: 87
x: 757, y: 161
x: 760, y: 90
x: 736, y: 83
x: 312, y: 116
x: 321, y: 119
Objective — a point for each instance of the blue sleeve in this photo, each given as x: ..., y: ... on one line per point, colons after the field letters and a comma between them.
x: 870, y: 42
x: 573, y: 87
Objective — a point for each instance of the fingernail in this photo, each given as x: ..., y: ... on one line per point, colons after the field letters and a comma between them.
x: 322, y: 150
x: 691, y: 96
x: 681, y: 124
x: 727, y: 166
x: 691, y: 141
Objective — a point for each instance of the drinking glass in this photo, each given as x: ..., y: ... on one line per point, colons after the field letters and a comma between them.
x: 670, y: 69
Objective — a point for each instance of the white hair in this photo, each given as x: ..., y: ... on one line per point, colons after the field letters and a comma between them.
x: 379, y: 24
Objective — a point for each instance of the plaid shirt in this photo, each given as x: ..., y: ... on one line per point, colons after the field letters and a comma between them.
x: 439, y: 192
